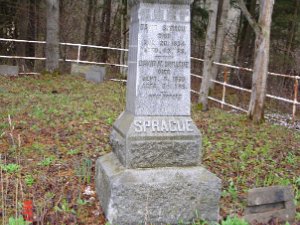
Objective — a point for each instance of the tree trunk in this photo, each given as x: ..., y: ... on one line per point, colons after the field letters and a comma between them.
x: 22, y: 30
x: 290, y: 39
x: 87, y: 33
x: 261, y: 62
x: 93, y: 25
x: 208, y: 54
x: 247, y: 36
x: 220, y: 39
x: 39, y: 34
x: 31, y: 33
x: 123, y: 35
x: 245, y: 43
x: 105, y: 29
x: 52, y: 47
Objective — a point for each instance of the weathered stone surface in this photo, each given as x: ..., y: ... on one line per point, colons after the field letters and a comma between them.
x: 79, y: 69
x: 156, y: 130
x: 177, y: 2
x: 265, y: 204
x: 158, y: 195
x: 153, y: 175
x: 141, y: 142
x: 159, y: 60
x: 7, y: 70
x: 264, y: 208
x: 96, y: 74
x: 91, y: 72
x: 282, y: 215
x: 267, y: 195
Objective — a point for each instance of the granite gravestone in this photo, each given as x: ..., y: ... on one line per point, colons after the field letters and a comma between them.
x: 154, y: 175
x: 7, y: 70
x: 92, y: 73
x: 270, y: 203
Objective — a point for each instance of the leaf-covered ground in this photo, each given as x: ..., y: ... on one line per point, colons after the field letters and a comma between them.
x: 61, y: 124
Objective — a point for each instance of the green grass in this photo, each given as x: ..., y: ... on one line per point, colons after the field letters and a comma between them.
x: 246, y: 156
x: 64, y: 123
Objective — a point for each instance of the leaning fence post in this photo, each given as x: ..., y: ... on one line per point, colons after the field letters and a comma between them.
x: 78, y: 53
x: 224, y: 87
x: 295, y: 98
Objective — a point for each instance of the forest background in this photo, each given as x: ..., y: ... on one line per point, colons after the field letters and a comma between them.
x: 106, y: 23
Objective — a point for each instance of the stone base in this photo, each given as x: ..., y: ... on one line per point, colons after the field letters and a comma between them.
x: 156, y: 141
x: 156, y: 195
x: 267, y: 203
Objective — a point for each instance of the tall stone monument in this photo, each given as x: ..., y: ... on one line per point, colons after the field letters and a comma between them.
x: 153, y: 175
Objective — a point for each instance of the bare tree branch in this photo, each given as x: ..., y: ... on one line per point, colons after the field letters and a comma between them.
x: 249, y: 17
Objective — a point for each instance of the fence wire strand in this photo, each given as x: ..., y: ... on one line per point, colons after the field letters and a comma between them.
x: 224, y: 83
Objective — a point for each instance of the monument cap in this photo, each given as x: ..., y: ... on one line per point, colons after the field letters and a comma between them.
x: 178, y: 2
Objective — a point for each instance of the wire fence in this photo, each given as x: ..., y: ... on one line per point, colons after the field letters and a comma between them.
x: 224, y: 82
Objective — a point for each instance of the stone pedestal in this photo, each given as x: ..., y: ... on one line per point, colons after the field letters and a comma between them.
x: 164, y: 195
x: 154, y: 175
